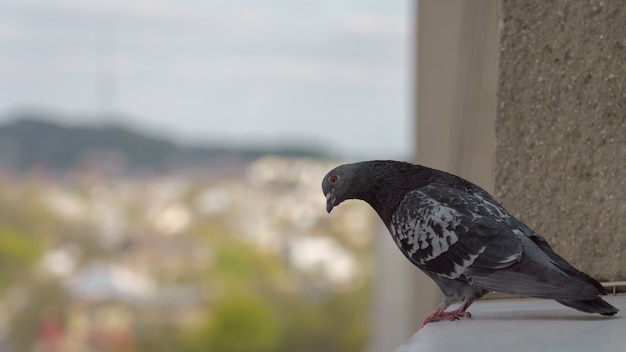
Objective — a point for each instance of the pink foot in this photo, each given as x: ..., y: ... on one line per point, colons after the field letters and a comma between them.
x: 439, y: 314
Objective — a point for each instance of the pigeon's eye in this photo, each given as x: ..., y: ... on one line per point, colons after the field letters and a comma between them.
x: 333, y: 179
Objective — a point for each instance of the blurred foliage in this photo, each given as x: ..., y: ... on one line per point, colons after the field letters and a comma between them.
x: 26, y: 228
x: 255, y: 301
x: 239, y: 324
x: 16, y: 249
x: 264, y: 306
x: 23, y: 234
x: 334, y: 322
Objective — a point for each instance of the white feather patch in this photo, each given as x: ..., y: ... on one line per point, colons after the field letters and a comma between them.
x: 419, y: 229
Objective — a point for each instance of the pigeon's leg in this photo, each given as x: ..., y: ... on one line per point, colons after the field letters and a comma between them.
x: 436, y: 315
x: 466, y: 303
x: 440, y: 314
x: 462, y: 311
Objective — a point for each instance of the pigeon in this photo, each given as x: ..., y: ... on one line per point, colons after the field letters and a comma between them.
x: 461, y: 237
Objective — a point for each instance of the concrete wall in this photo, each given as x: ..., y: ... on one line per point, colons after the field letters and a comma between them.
x: 561, y: 126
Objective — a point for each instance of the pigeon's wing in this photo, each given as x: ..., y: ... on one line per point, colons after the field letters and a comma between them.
x: 553, y: 272
x: 455, y: 233
x: 446, y: 230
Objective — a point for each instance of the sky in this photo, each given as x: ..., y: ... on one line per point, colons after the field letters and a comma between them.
x: 331, y: 74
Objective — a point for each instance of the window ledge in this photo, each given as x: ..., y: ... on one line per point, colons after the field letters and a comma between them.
x: 524, y: 325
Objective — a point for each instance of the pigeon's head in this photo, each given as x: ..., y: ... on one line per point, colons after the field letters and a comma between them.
x: 340, y: 184
x: 380, y: 183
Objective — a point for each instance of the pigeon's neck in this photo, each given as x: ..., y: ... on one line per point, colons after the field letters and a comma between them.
x: 386, y: 188
x: 384, y: 205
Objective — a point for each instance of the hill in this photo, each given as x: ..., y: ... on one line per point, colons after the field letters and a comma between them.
x: 32, y: 141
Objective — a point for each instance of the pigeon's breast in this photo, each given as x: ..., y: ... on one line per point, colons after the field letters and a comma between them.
x: 424, y: 229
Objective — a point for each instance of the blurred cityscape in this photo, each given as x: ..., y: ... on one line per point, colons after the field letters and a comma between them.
x: 216, y: 237
x: 202, y: 254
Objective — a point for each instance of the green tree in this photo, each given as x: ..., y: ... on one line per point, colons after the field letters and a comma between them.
x: 239, y: 324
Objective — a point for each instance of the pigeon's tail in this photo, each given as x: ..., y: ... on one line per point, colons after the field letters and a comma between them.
x: 597, y: 305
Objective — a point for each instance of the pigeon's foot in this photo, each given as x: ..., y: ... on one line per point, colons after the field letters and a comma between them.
x: 439, y: 314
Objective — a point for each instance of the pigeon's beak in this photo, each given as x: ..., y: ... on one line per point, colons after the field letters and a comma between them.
x: 330, y: 200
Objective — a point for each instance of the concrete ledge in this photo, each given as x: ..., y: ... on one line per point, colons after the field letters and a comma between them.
x: 524, y: 325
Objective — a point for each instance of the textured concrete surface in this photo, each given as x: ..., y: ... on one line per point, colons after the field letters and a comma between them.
x: 561, y: 127
x: 524, y: 325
